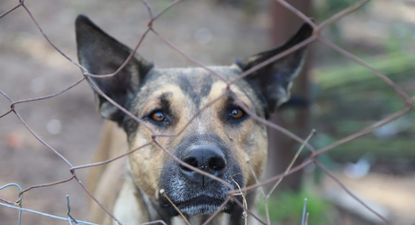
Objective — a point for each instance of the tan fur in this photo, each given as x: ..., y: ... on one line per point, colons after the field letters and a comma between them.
x: 193, y: 116
x: 105, y: 181
x: 118, y: 193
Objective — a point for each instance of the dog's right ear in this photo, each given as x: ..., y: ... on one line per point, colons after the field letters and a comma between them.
x: 100, y: 53
x: 273, y: 81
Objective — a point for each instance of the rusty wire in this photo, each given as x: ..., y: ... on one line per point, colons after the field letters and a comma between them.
x: 153, y: 17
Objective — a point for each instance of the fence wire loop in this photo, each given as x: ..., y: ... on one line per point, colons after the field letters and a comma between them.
x: 304, y: 214
x: 238, y: 195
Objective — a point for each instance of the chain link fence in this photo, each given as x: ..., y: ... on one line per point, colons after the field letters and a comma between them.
x: 151, y: 31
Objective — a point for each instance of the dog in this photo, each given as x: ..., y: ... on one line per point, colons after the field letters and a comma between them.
x: 192, y: 138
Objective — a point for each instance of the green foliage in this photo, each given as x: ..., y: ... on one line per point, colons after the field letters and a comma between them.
x: 286, y: 208
x: 393, y: 64
x: 354, y: 97
x: 383, y: 149
x: 326, y: 8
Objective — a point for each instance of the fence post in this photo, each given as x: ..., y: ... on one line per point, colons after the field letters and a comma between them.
x: 282, y: 148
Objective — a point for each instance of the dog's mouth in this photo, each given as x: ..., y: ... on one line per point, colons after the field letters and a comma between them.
x: 200, y: 205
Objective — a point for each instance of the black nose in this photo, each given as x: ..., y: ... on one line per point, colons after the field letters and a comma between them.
x: 208, y: 158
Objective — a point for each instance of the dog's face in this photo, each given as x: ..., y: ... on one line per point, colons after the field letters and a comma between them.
x: 190, y: 117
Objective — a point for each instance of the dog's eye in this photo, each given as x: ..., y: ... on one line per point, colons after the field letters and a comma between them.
x: 158, y: 116
x: 235, y: 114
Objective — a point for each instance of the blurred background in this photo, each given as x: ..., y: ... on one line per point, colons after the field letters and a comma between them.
x: 338, y: 97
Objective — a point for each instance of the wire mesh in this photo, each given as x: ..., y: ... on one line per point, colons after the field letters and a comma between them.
x: 153, y: 17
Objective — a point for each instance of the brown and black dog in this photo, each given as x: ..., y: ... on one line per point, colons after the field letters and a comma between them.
x: 223, y: 140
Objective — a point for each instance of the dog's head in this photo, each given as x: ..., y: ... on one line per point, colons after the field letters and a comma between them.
x: 207, y: 124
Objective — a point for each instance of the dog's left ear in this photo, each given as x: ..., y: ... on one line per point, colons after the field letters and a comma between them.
x: 100, y: 53
x: 273, y: 82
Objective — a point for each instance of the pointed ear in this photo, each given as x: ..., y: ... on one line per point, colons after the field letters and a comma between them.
x: 273, y: 82
x: 99, y: 53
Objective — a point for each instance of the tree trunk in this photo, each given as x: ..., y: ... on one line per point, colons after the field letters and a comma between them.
x: 282, y: 148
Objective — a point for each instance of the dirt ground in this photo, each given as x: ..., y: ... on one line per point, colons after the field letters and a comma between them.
x: 212, y: 34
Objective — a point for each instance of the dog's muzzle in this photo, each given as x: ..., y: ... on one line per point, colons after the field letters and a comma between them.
x: 194, y: 193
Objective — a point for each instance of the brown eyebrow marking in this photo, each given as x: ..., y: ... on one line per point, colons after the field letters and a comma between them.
x: 164, y: 100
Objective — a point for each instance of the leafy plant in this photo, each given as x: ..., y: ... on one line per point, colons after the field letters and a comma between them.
x: 286, y: 208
